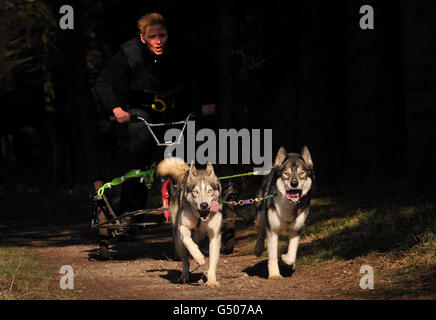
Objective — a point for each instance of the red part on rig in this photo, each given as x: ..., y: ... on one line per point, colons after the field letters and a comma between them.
x: 165, y: 197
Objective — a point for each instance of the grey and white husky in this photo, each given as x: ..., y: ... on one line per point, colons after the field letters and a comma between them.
x: 291, y: 179
x: 194, y: 207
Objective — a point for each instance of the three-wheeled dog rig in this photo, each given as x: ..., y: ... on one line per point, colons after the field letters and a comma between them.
x: 111, y: 227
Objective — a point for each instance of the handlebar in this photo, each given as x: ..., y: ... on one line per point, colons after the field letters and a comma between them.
x: 141, y: 115
x: 138, y: 114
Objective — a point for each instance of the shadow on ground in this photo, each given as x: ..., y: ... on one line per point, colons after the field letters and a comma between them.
x: 173, y: 276
x: 155, y: 243
x: 260, y: 270
x: 60, y: 220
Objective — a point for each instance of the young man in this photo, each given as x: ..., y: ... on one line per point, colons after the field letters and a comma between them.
x: 149, y: 72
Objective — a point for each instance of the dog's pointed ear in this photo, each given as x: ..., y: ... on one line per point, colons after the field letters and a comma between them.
x: 282, y: 154
x: 192, y: 171
x: 305, y: 154
x: 209, y: 169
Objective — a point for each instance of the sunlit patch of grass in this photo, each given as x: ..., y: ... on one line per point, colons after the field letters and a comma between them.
x: 317, y: 202
x: 24, y: 277
x: 332, y: 226
x: 410, y: 273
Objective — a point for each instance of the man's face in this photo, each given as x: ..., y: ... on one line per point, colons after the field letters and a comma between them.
x: 155, y: 38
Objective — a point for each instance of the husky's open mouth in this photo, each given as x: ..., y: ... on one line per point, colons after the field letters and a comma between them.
x: 204, y: 215
x: 293, y: 195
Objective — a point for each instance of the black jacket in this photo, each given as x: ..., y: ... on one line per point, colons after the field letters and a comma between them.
x: 135, y: 76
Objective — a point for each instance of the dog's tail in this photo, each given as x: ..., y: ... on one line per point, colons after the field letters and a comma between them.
x: 173, y: 167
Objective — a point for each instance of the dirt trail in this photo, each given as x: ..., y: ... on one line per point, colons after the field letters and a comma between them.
x: 143, y: 269
x: 140, y: 271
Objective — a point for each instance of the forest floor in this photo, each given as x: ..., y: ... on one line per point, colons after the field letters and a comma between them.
x: 44, y: 233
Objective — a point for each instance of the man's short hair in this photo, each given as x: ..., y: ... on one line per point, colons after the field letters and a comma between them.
x: 150, y: 19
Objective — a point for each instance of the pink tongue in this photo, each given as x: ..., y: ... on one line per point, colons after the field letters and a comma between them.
x: 292, y: 196
x: 215, y: 206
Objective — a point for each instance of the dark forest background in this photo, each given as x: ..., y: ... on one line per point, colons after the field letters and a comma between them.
x: 362, y: 100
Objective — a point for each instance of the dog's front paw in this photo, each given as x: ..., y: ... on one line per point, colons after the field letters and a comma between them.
x: 288, y: 261
x: 200, y: 259
x: 213, y: 284
x: 275, y: 277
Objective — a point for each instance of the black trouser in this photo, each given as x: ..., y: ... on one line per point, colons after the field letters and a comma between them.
x: 142, y: 150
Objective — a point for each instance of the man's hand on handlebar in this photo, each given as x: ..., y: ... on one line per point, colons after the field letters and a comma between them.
x: 121, y: 115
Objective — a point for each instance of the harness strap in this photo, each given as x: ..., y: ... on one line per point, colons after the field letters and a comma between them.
x: 248, y: 201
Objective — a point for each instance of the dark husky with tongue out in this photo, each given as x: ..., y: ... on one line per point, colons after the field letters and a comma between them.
x: 290, y: 181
